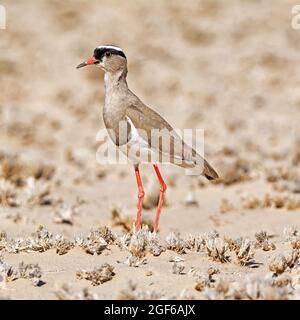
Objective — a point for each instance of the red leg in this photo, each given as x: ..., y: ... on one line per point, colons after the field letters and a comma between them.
x: 163, y: 188
x: 140, y: 198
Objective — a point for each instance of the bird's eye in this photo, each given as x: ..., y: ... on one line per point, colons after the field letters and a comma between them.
x: 108, y: 54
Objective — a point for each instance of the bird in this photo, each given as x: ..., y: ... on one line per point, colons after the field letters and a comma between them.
x: 122, y: 105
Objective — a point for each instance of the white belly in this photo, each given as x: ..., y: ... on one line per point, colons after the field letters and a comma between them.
x: 137, y: 149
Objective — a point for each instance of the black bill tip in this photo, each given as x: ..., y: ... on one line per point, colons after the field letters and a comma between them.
x: 83, y: 64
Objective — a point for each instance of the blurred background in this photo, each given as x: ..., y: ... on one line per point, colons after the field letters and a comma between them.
x: 229, y: 67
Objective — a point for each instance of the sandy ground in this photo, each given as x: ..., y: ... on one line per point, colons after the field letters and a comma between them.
x: 229, y: 67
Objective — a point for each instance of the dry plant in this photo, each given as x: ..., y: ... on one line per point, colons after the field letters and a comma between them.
x: 243, y: 251
x: 211, y: 271
x: 7, y: 272
x: 30, y: 271
x: 178, y: 268
x: 16, y: 217
x: 292, y: 235
x: 98, y: 275
x: 280, y: 173
x: 76, y: 156
x: 281, y: 281
x: 262, y: 289
x: 122, y: 217
x: 176, y: 259
x: 65, y: 214
x: 216, y: 248
x: 194, y: 243
x: 284, y: 179
x: 107, y: 235
x: 62, y: 245
x: 155, y: 248
x: 148, y: 273
x: 234, y: 171
x: 41, y: 241
x: 185, y: 294
x: 97, y: 240
x: 11, y: 169
x: 133, y: 261
x: 37, y: 191
x: 3, y: 239
x: 205, y: 280
x: 17, y: 171
x: 253, y: 288
x: 64, y: 292
x: 131, y: 292
x: 263, y: 242
x: 287, y: 201
x: 175, y: 243
x: 139, y: 244
x: 24, y: 271
x: 8, y: 194
x: 282, y: 262
x: 202, y: 282
x: 226, y: 206
x: 220, y: 290
x: 288, y: 186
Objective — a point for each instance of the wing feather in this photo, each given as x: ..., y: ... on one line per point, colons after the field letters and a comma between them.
x: 167, y: 140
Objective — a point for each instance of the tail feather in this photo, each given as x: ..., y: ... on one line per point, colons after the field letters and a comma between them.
x: 192, y: 160
x: 208, y: 172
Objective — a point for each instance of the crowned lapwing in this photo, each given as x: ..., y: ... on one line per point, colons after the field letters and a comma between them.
x: 122, y: 105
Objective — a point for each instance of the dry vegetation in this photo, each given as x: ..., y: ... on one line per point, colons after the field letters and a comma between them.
x: 66, y: 222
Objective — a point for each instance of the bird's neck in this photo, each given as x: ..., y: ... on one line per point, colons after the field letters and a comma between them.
x: 115, y: 81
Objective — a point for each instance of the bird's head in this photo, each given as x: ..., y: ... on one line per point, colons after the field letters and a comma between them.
x: 109, y: 58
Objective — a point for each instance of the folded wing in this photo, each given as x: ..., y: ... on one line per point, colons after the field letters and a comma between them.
x: 161, y: 137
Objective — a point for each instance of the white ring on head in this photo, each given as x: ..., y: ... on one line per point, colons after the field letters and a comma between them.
x: 110, y: 47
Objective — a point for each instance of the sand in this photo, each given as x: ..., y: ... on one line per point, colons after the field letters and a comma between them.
x: 230, y: 68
